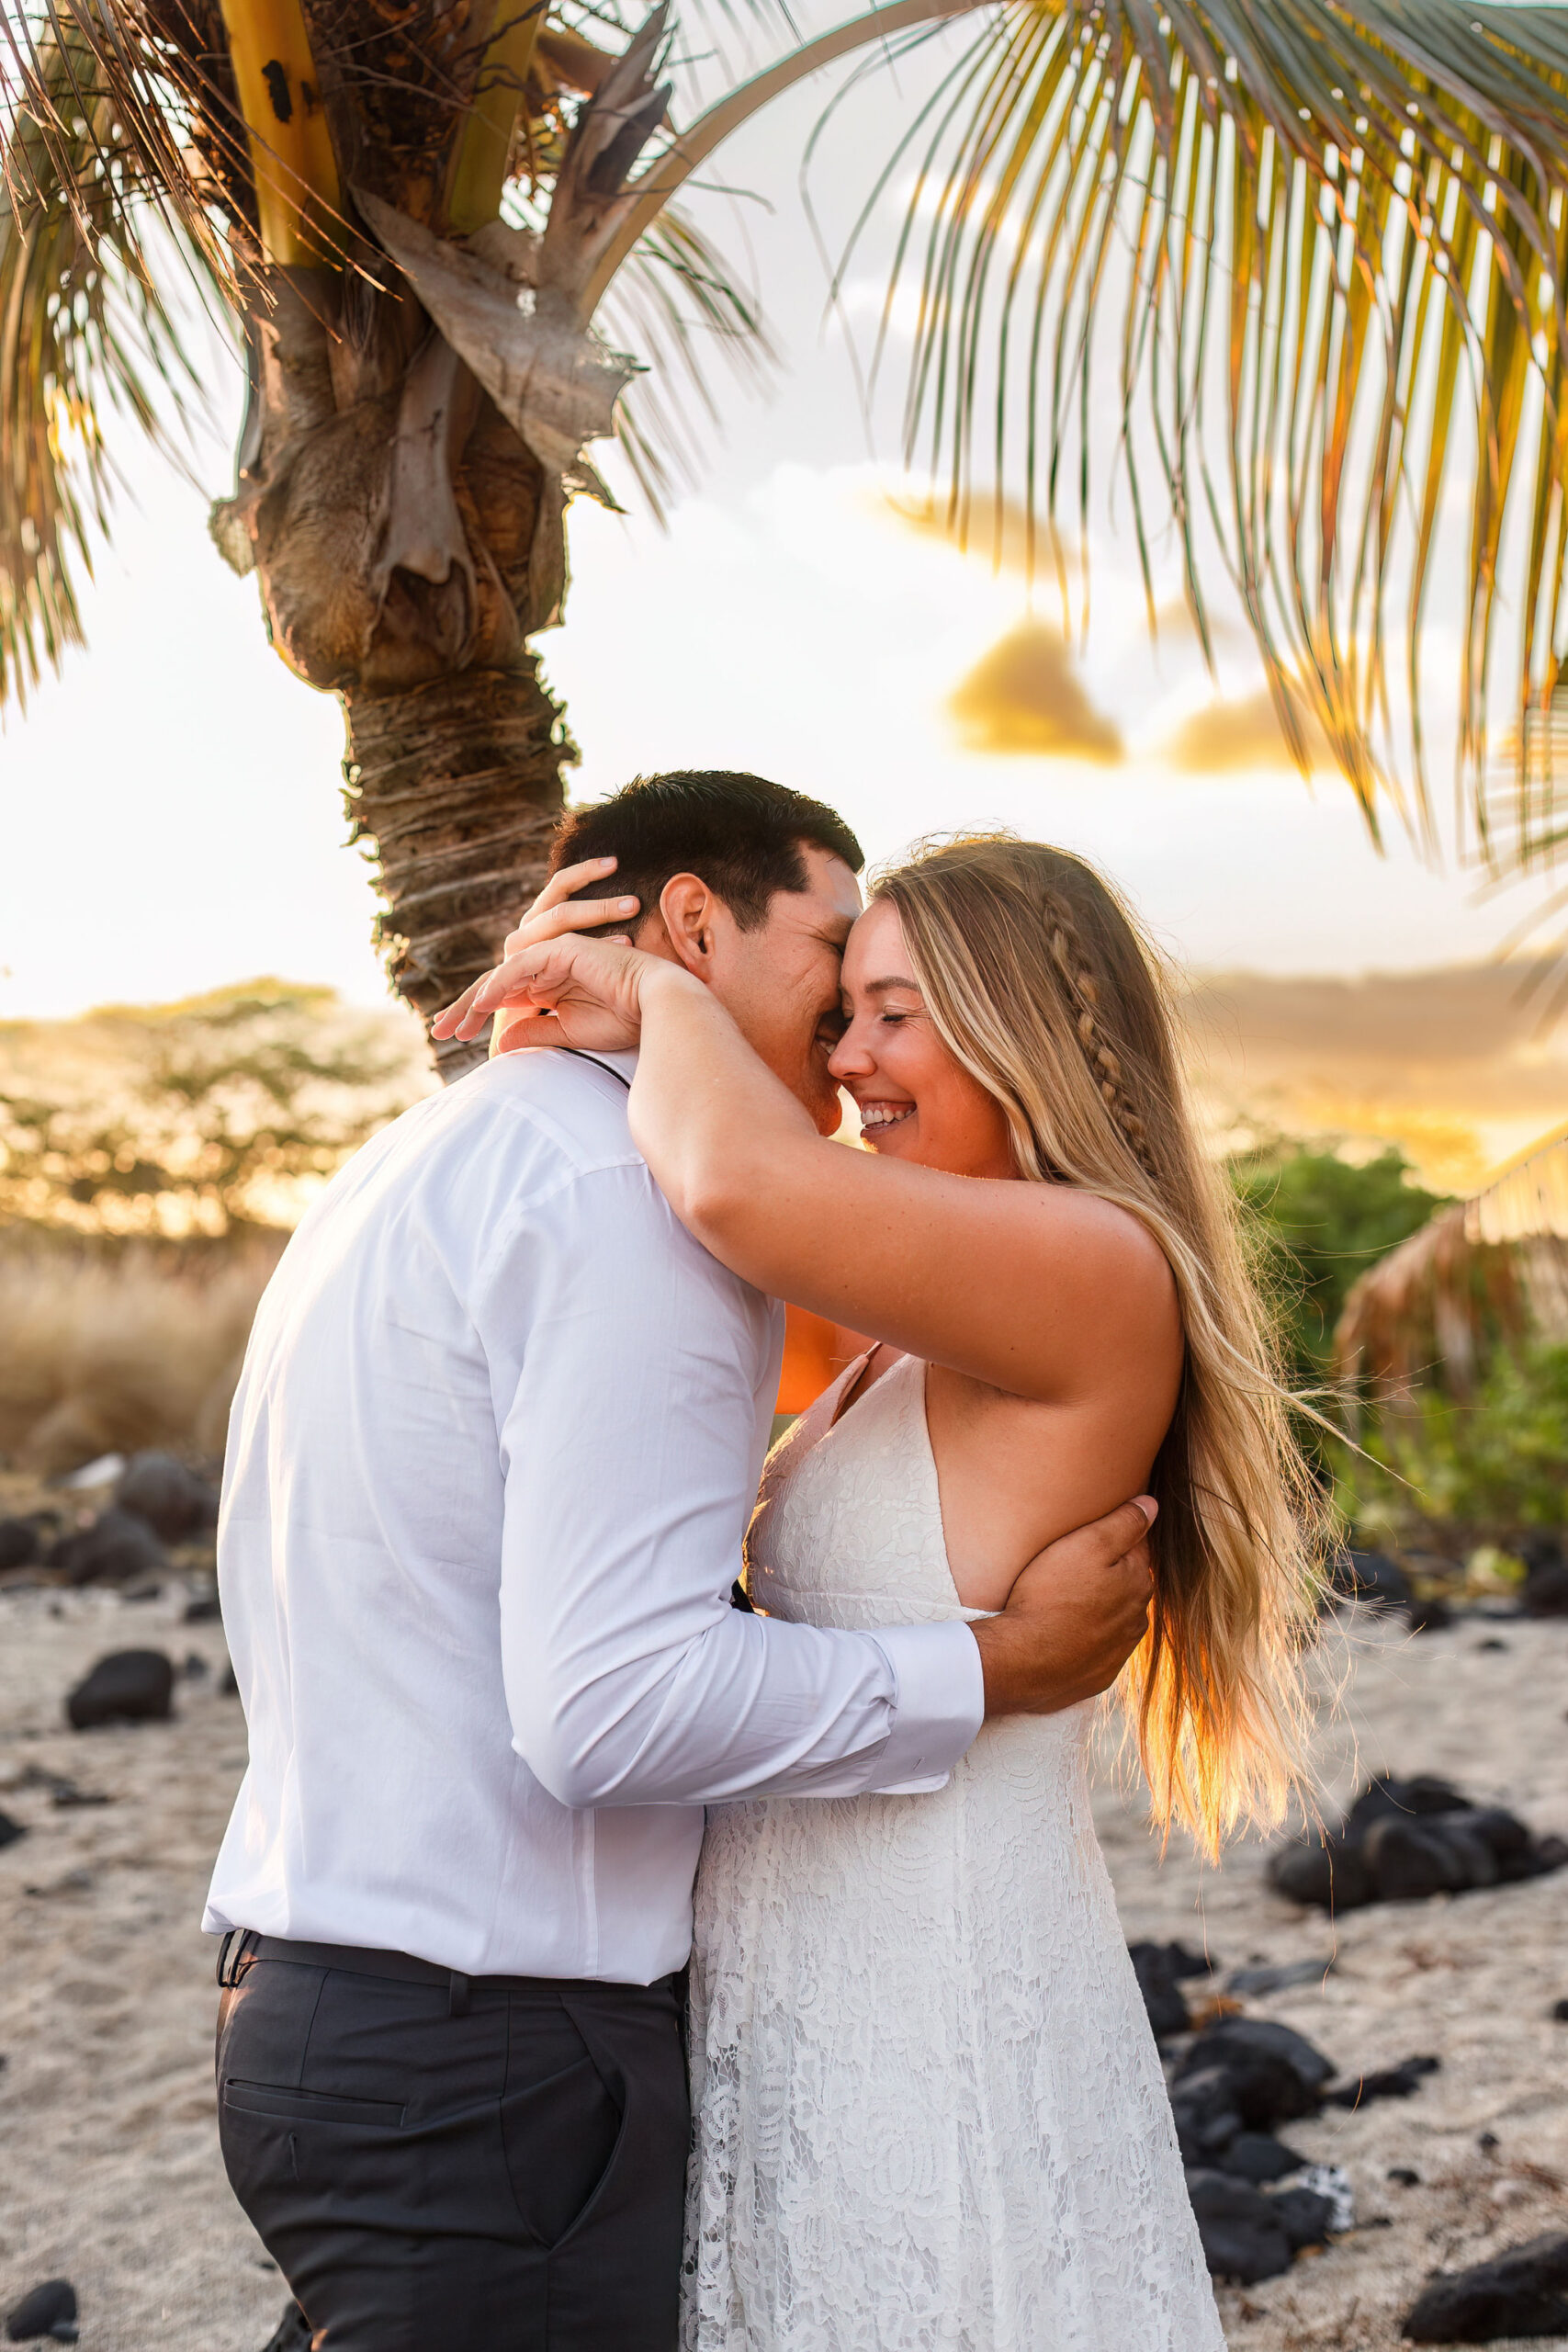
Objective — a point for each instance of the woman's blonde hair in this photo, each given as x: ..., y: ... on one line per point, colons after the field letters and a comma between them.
x: 1039, y: 982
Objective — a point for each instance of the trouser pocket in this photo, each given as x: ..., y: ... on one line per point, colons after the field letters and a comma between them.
x: 559, y: 2132
x: 292, y: 2106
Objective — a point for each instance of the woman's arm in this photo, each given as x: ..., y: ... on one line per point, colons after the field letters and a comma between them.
x: 1043, y: 1291
x: 1038, y: 1289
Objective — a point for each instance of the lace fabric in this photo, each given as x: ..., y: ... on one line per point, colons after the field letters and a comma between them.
x: 928, y: 2112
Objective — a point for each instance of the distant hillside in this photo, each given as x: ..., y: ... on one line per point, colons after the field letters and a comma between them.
x: 1452, y: 1064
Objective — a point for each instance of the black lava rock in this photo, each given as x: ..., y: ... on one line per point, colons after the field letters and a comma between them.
x: 1240, y: 2076
x: 1524, y: 2293
x: 129, y: 1686
x: 1404, y: 2176
x: 1160, y: 1970
x: 174, y: 1501
x: 1407, y: 1860
x: 50, y: 2310
x: 21, y: 1543
x: 1545, y: 1590
x: 1244, y: 2236
x: 1277, y: 2073
x: 1432, y: 1615
x: 1303, y: 2215
x: 1541, y: 1549
x: 11, y: 1830
x: 1388, y: 1799
x: 116, y: 1546
x: 1559, y: 2011
x: 1323, y: 1872
x: 1392, y: 2082
x: 1369, y: 1576
x: 1276, y: 1977
x: 1403, y: 1839
x: 205, y: 1611
x: 1208, y: 2118
x: 1258, y: 2156
x: 293, y: 2332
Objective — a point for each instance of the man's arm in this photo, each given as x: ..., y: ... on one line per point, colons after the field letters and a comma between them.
x: 624, y: 1363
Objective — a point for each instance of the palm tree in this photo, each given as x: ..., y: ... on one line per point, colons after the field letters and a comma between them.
x: 1491, y: 1268
x: 1333, y: 246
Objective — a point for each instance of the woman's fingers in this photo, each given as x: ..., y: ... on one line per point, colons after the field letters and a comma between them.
x: 447, y: 1022
x: 561, y: 920
x: 570, y: 878
x: 536, y: 978
x: 556, y: 910
x: 554, y: 914
x: 466, y: 1016
x: 533, y: 976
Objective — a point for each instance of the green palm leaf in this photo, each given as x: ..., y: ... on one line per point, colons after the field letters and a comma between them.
x: 1337, y: 241
x: 123, y: 160
x: 679, y: 306
x: 83, y: 325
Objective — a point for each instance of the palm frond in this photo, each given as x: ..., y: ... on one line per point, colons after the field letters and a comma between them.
x: 82, y: 326
x: 1337, y: 245
x: 679, y: 306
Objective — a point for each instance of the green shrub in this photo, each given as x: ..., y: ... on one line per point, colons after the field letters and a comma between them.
x: 1497, y: 1461
x: 1318, y: 1222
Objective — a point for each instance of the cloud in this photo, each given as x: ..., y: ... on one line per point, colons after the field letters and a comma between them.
x: 1174, y: 624
x: 995, y: 531
x: 1431, y: 1059
x: 1026, y: 696
x: 1225, y: 736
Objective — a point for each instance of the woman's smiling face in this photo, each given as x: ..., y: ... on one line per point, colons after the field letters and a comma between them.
x: 915, y: 1101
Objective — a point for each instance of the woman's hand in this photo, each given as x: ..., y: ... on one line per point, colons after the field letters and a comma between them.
x: 554, y: 914
x: 581, y: 992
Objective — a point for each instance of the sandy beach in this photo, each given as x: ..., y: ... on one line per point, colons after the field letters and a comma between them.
x: 107, y: 1995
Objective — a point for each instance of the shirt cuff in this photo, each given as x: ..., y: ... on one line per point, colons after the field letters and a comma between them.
x: 938, y: 1707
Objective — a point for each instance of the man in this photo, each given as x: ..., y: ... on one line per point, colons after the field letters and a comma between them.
x: 491, y: 1462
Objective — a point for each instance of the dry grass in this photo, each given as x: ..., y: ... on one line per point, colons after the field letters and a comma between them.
x: 106, y: 1351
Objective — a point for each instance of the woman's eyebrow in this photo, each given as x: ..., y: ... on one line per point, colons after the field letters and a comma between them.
x: 880, y: 988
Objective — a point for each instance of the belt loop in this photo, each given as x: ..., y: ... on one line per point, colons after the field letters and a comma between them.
x: 462, y: 1987
x: 234, y: 1958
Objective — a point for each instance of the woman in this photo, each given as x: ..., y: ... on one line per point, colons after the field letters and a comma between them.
x: 929, y: 2108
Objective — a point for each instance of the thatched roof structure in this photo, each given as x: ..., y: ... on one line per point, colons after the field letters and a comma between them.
x: 1483, y: 1270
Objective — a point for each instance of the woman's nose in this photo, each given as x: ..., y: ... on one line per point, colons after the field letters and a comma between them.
x: 848, y: 1057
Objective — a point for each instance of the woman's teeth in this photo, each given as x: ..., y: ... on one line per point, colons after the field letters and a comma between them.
x: 885, y: 1114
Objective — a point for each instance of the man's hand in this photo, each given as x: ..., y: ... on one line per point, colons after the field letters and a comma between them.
x: 1074, y: 1618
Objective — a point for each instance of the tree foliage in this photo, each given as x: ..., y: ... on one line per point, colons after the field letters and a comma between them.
x: 207, y: 1115
x: 1494, y: 1463
x: 1330, y: 244
x: 1319, y: 1220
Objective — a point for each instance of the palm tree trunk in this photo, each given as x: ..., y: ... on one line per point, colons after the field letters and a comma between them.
x: 457, y: 783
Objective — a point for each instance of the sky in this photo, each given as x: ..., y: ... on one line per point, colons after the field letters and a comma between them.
x: 169, y: 808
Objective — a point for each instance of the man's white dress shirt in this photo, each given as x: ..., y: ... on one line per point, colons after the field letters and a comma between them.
x: 491, y: 1462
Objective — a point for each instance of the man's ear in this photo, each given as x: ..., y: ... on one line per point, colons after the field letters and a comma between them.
x: 692, y: 915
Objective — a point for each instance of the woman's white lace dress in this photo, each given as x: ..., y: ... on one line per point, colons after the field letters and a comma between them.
x: 929, y: 2108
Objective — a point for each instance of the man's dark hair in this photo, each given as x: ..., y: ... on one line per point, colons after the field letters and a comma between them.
x: 739, y: 834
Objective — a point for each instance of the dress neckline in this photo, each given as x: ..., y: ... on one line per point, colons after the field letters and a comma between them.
x: 916, y: 1404
x: 848, y: 1380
